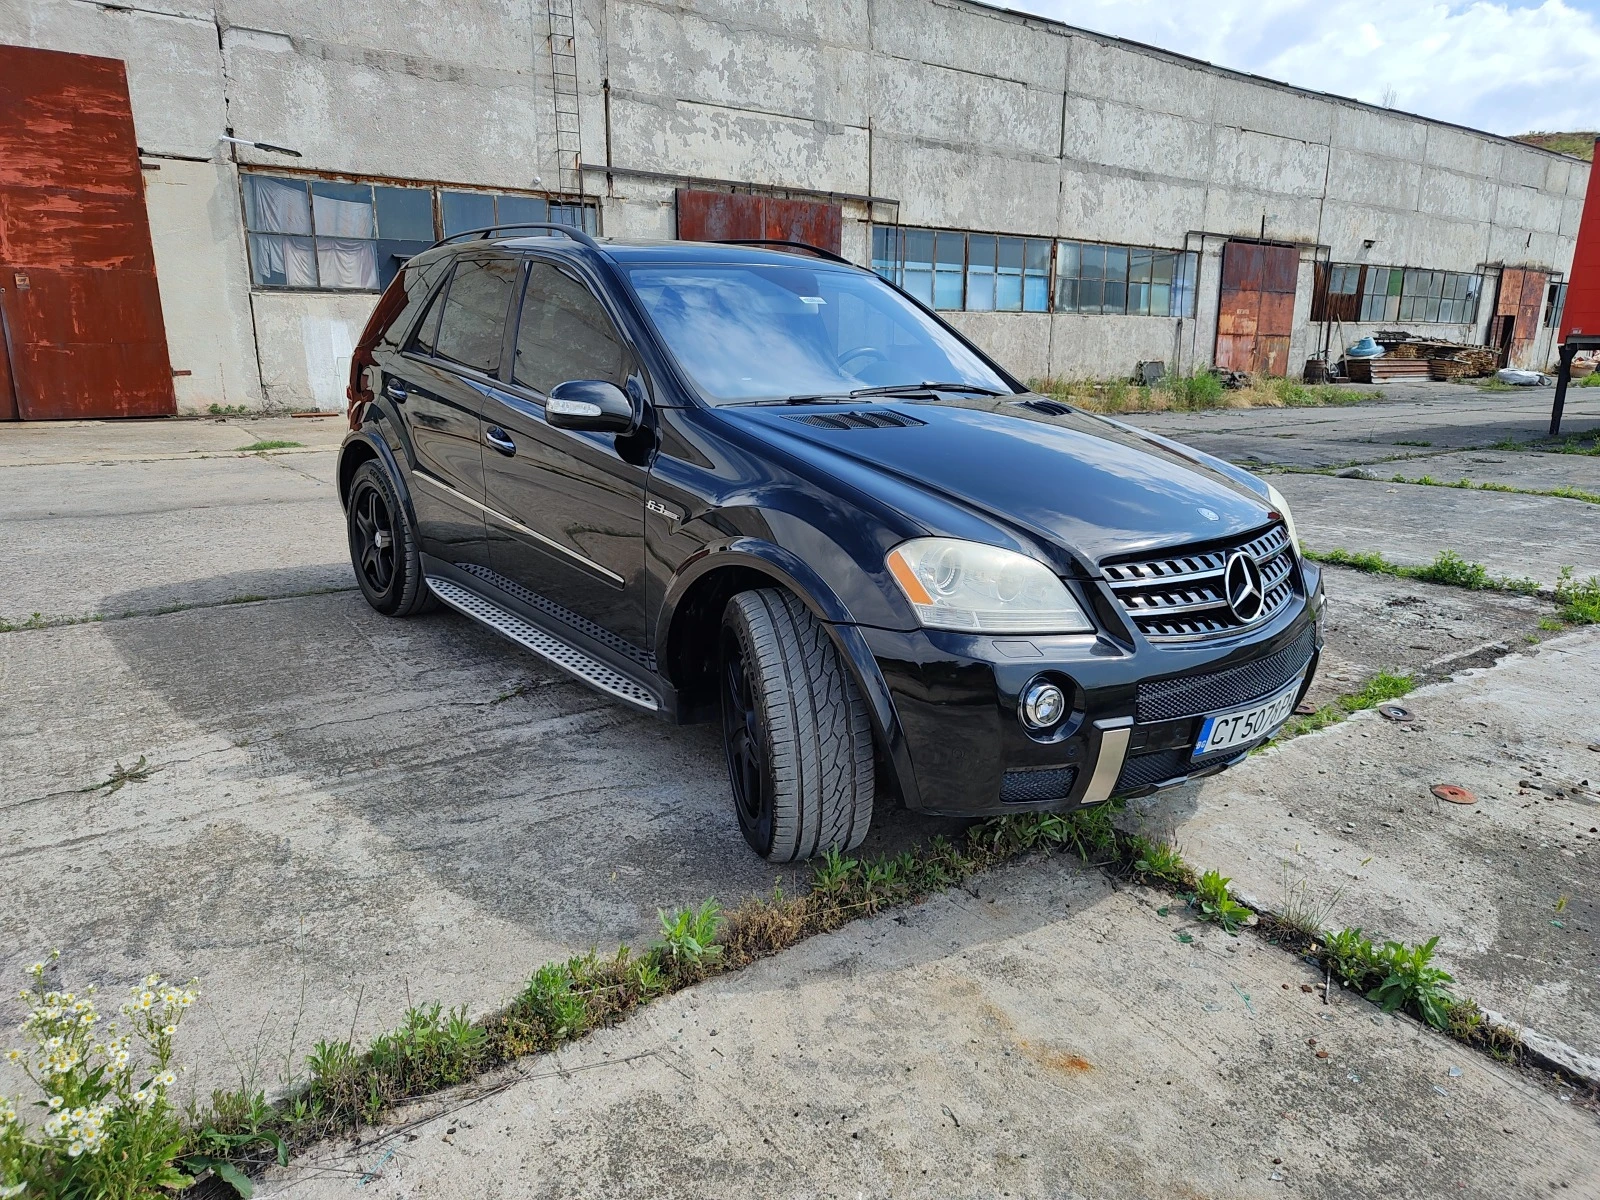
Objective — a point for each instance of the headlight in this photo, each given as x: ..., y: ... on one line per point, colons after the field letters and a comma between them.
x: 1282, y: 505
x: 973, y: 588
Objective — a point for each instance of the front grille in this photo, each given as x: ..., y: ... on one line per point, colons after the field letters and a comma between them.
x: 1181, y: 595
x: 1052, y: 783
x: 1191, y: 695
x: 1147, y: 770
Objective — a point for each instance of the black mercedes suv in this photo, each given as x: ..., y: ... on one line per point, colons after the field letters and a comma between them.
x: 755, y: 483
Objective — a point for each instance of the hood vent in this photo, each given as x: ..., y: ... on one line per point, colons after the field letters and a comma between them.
x: 882, y: 418
x: 1050, y: 408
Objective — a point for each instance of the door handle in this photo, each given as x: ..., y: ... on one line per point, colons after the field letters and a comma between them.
x: 396, y: 391
x: 499, y: 439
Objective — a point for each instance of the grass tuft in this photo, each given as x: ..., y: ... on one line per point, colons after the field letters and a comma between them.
x: 270, y: 444
x: 1449, y: 569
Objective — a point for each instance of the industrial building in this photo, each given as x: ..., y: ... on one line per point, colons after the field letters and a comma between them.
x: 1075, y: 203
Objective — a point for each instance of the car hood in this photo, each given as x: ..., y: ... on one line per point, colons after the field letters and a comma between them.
x: 1095, y: 487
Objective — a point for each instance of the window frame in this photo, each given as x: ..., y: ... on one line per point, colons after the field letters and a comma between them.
x: 560, y: 209
x: 526, y: 391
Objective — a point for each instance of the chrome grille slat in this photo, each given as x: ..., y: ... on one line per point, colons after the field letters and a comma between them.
x: 1179, y: 595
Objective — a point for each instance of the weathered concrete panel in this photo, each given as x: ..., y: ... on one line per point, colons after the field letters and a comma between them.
x: 1137, y: 139
x: 204, y: 282
x: 965, y: 189
x: 1102, y: 206
x: 722, y: 143
x: 1262, y: 108
x: 174, y: 76
x: 1462, y: 197
x: 1373, y: 131
x: 1020, y: 341
x: 1524, y: 165
x: 487, y: 35
x: 690, y: 57
x: 1109, y: 347
x: 327, y: 110
x: 1131, y: 76
x: 1000, y: 45
x: 1281, y: 218
x: 1264, y: 163
x: 1457, y: 150
x: 952, y: 106
x: 1374, y: 181
x: 306, y: 341
x: 837, y: 22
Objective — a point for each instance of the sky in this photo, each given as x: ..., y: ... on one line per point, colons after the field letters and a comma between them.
x: 1505, y: 67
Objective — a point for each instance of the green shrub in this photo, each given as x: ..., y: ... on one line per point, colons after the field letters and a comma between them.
x: 1411, y: 982
x: 1580, y: 602
x: 1196, y: 390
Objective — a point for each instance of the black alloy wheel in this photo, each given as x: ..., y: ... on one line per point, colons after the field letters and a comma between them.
x: 372, y: 537
x: 744, y: 740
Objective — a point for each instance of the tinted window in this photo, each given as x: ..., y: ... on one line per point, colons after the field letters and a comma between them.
x: 475, y: 314
x: 416, y: 282
x: 748, y: 332
x: 564, y: 334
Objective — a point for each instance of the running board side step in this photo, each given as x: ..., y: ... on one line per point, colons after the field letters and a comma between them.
x: 546, y: 645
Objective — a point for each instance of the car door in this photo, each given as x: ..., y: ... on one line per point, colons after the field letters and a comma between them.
x: 450, y: 366
x: 566, y: 518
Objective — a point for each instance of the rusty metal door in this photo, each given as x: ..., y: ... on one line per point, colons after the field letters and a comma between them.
x: 1521, y: 296
x: 82, y: 315
x: 1256, y: 315
x: 723, y: 216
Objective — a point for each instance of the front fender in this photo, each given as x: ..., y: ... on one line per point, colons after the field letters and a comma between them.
x: 788, y: 570
x: 365, y: 443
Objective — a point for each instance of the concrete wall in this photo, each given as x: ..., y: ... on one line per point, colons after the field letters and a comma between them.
x: 953, y: 115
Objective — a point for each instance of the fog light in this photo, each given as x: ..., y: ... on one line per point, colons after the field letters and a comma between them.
x: 1043, y: 704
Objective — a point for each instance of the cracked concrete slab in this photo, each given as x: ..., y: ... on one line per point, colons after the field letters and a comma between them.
x: 1509, y: 883
x: 1513, y: 468
x: 1510, y: 534
x: 55, y: 443
x: 1042, y: 1034
x: 1408, y: 419
x: 86, y: 539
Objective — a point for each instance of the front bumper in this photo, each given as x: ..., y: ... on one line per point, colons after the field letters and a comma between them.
x: 1137, y: 709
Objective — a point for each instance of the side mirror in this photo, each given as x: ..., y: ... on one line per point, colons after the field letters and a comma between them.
x: 592, y: 406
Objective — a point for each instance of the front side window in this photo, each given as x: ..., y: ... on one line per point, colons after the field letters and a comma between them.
x: 761, y: 333
x: 472, y: 325
x: 564, y: 334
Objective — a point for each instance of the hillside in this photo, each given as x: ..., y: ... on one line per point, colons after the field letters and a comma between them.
x: 1579, y: 145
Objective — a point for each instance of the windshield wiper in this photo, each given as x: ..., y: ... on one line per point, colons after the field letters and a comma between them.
x: 912, y: 389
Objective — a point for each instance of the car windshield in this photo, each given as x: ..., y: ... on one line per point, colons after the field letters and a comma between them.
x: 748, y: 333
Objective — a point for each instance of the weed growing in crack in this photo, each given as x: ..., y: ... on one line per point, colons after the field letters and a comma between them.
x: 1449, y: 569
x: 1211, y: 897
x: 1413, y: 983
x: 269, y: 444
x: 1303, y: 916
x: 1161, y: 861
x: 1580, y: 602
x: 1385, y: 685
x: 121, y: 776
x: 688, y: 936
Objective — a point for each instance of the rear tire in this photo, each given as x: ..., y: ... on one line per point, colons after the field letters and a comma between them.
x: 383, y: 546
x: 795, y: 729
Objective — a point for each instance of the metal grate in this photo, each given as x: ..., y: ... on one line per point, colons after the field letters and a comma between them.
x: 883, y: 418
x: 1191, y: 695
x: 1148, y: 770
x: 1181, y: 596
x: 1050, y: 783
x: 565, y: 615
x: 553, y: 649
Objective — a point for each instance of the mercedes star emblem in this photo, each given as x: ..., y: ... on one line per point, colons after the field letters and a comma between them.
x: 1241, y: 581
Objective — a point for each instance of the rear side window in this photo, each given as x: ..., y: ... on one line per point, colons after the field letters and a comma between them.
x: 474, y: 317
x: 415, y: 283
x: 564, y: 334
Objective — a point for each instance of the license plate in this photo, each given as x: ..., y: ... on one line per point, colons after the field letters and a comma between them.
x: 1226, y: 730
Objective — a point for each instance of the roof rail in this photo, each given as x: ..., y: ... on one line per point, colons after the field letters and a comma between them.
x: 492, y: 231
x: 806, y: 246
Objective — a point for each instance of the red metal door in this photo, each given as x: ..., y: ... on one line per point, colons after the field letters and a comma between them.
x: 77, y: 274
x: 1256, y: 315
x: 733, y: 216
x: 1521, y: 297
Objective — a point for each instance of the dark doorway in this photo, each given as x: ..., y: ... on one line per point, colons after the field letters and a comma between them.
x: 1508, y: 333
x: 729, y: 216
x: 82, y: 316
x: 1256, y: 315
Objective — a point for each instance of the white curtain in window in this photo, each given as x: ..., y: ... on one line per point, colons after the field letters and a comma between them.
x: 347, y: 263
x: 291, y: 257
x: 342, y: 218
x: 280, y: 206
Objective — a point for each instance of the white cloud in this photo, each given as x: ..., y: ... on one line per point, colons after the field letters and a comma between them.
x: 1504, y: 67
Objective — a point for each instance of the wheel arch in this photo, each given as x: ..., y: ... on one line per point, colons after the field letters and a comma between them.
x: 690, y: 622
x: 360, y: 447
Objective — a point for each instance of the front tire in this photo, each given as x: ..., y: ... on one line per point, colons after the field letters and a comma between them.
x: 383, y: 546
x: 795, y: 729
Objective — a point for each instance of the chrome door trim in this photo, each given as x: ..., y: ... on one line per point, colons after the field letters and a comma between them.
x: 518, y: 526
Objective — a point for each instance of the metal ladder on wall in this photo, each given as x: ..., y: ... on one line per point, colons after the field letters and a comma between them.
x: 564, y: 85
